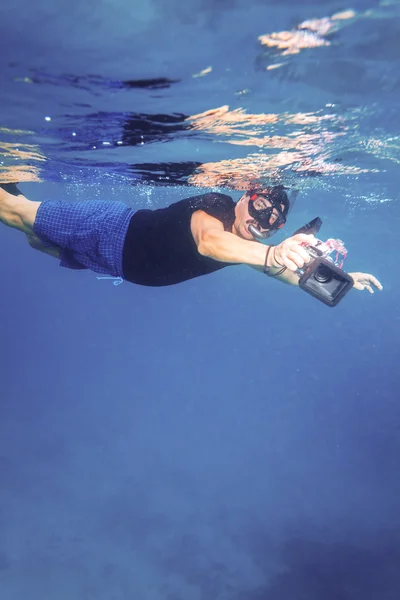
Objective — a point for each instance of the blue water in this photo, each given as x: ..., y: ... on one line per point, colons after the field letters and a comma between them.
x: 229, y: 438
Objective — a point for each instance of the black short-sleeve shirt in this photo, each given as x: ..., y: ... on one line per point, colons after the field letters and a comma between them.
x: 159, y: 248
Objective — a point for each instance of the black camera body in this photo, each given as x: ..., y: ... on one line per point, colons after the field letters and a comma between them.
x: 325, y: 281
x: 322, y: 278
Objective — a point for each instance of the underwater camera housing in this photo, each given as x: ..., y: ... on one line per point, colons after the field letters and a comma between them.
x: 324, y: 277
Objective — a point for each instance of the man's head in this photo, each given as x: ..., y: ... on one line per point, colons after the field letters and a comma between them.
x: 261, y: 212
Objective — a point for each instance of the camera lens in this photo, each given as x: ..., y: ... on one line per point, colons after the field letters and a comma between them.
x: 323, y: 274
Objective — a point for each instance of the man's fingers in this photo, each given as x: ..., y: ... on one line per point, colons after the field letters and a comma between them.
x: 296, y: 257
x: 302, y: 252
x: 293, y: 258
x: 369, y: 281
x: 376, y: 282
x: 289, y: 262
x: 365, y: 281
x: 293, y: 254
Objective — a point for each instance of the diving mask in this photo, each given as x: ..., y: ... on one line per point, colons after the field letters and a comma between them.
x: 265, y: 207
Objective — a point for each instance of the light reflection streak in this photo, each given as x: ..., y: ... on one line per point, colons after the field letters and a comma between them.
x: 14, y: 158
x: 308, y: 145
x: 318, y: 32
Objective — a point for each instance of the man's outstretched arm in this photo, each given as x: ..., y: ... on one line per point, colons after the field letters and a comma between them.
x: 216, y: 243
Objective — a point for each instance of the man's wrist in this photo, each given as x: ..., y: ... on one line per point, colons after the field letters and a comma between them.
x: 271, y: 266
x: 268, y: 258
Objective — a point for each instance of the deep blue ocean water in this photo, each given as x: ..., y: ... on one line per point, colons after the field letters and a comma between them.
x: 229, y: 438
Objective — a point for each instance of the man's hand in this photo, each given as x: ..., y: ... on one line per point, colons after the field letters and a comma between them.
x: 364, y: 281
x: 291, y: 253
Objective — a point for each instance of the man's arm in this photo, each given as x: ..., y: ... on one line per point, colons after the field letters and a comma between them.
x: 212, y: 241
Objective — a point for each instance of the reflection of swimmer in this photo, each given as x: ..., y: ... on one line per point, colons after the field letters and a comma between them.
x: 190, y: 238
x: 312, y: 33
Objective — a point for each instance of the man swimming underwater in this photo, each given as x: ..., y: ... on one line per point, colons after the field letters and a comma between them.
x: 190, y: 238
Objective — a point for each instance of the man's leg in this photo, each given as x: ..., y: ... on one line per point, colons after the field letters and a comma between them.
x: 84, y: 235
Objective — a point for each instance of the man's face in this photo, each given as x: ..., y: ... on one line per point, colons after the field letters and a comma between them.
x: 243, y: 218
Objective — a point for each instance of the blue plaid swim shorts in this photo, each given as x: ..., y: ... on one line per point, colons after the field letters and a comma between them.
x: 90, y: 234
